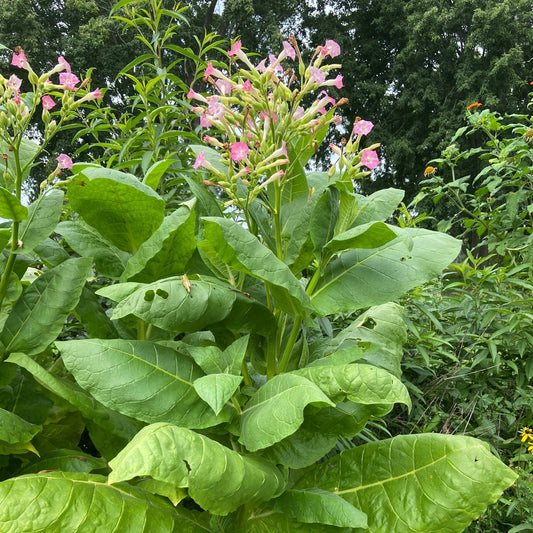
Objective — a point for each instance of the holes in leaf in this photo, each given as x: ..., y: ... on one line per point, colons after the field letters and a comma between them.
x: 369, y: 323
x: 149, y: 295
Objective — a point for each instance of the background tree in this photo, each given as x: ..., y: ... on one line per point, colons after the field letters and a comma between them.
x: 411, y: 66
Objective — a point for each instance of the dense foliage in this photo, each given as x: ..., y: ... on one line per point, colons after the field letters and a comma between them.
x: 470, y: 363
x: 199, y: 334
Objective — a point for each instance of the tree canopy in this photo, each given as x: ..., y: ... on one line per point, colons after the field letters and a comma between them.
x: 411, y: 67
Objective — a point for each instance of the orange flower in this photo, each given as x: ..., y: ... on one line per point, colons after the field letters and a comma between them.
x: 474, y: 105
x: 531, y: 83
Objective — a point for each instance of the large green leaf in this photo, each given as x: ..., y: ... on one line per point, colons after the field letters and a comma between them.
x: 141, y: 379
x: 93, y: 317
x: 206, y: 205
x: 365, y: 384
x: 212, y: 360
x: 87, y: 242
x: 415, y: 483
x: 111, y: 421
x: 296, y: 229
x: 371, y: 235
x: 57, y: 502
x: 13, y: 292
x: 379, y: 206
x: 320, y: 506
x: 38, y: 316
x: 272, y: 522
x: 310, y: 443
x: 125, y: 211
x: 167, y: 251
x: 217, y: 389
x: 27, y: 151
x: 276, y: 410
x: 65, y: 461
x: 25, y: 398
x: 171, y: 304
x: 219, y: 479
x: 381, y: 330
x: 15, y: 430
x: 237, y: 247
x: 43, y: 216
x: 323, y: 219
x: 362, y: 278
x: 10, y: 206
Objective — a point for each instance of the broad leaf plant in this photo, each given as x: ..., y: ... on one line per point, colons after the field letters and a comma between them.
x: 196, y: 347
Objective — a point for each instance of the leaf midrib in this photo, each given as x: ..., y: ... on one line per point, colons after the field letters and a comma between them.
x: 402, y: 476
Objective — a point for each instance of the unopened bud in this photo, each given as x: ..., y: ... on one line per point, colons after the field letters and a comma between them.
x: 50, y: 128
x: 4, y: 121
x: 11, y: 107
x: 34, y: 79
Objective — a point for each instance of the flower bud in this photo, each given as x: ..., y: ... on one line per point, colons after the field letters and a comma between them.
x: 50, y: 129
x: 4, y: 121
x: 11, y: 107
x: 34, y: 79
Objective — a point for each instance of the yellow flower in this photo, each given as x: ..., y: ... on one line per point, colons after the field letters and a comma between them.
x: 527, y: 433
x: 430, y: 171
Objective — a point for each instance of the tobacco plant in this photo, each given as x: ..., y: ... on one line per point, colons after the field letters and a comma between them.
x: 203, y: 364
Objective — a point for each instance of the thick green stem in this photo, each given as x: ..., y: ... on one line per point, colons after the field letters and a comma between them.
x: 271, y: 357
x: 285, y: 358
x: 4, y: 281
x: 277, y: 219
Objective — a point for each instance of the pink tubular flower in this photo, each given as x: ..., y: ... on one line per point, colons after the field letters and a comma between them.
x: 239, y: 151
x: 289, y: 50
x: 338, y: 82
x: 261, y: 67
x: 331, y: 48
x: 200, y: 159
x: 235, y: 48
x: 62, y: 61
x: 19, y: 60
x: 47, y: 102
x: 96, y: 94
x: 268, y: 114
x: 68, y: 80
x: 362, y: 127
x: 223, y: 86
x: 317, y: 75
x: 14, y: 82
x: 64, y: 161
x: 275, y: 64
x: 215, y: 108
x: 298, y: 113
x: 209, y: 70
x: 369, y: 158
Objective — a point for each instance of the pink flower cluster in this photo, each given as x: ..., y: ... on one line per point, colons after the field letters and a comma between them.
x: 258, y: 111
x: 67, y: 80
